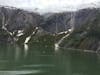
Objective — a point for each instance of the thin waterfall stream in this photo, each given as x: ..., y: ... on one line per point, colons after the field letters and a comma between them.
x: 68, y: 32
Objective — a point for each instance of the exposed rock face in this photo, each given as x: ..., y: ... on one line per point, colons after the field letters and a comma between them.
x: 16, y: 25
x: 15, y: 22
x: 58, y: 22
x: 88, y: 36
x: 85, y: 16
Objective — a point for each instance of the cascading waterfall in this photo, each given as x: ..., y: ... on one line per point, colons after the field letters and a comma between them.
x: 68, y: 32
x: 56, y: 28
x: 29, y: 37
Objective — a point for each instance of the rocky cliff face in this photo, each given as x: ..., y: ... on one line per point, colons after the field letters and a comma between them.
x: 58, y: 22
x: 88, y: 36
x: 16, y: 23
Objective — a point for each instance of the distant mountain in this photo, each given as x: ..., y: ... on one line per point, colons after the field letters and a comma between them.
x: 16, y: 22
x: 17, y: 25
x: 86, y: 34
x: 87, y: 37
x: 56, y: 22
x: 59, y: 22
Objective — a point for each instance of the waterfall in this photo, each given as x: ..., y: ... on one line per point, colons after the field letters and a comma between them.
x: 56, y: 27
x: 72, y: 21
x: 68, y: 32
x: 29, y: 37
x: 61, y: 40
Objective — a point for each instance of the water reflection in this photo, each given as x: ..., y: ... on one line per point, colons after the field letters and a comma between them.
x: 24, y: 72
x: 26, y: 48
x: 17, y: 52
x: 39, y: 60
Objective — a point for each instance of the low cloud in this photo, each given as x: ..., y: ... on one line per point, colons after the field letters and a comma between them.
x: 47, y: 5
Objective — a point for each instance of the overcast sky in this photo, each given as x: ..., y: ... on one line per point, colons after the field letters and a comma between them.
x: 48, y: 5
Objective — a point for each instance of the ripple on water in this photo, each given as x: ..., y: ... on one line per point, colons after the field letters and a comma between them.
x: 22, y: 72
x: 39, y: 65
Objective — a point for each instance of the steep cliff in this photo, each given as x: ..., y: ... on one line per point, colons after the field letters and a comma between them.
x: 16, y: 23
x: 88, y: 36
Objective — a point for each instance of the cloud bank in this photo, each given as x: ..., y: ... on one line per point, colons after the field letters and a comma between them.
x: 49, y: 5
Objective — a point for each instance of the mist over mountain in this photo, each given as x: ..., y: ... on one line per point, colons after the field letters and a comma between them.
x: 17, y: 24
x: 46, y: 6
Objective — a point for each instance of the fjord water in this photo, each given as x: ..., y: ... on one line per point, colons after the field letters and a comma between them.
x: 39, y: 60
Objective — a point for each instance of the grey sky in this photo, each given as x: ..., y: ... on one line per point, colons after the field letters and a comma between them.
x: 48, y: 5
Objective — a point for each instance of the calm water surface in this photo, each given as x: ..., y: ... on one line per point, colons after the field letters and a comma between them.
x: 39, y: 60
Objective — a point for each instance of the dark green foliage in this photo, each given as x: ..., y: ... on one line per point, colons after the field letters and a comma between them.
x: 45, y: 40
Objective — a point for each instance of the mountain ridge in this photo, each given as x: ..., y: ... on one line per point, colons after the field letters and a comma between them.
x: 19, y: 24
